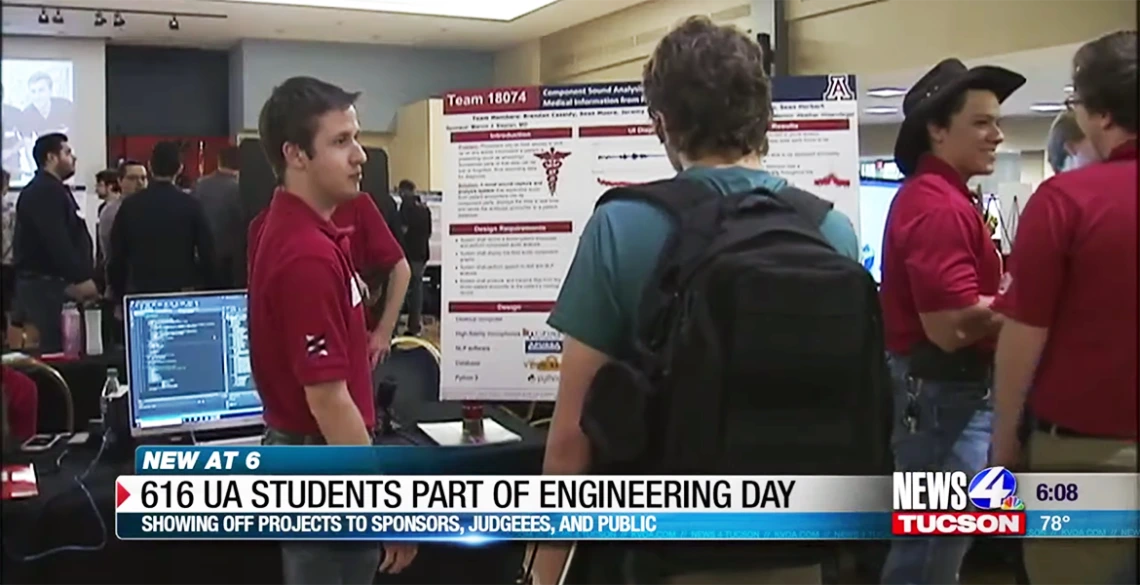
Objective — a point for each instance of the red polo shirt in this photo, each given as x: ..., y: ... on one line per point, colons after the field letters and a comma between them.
x: 23, y: 403
x: 373, y: 246
x: 1073, y: 271
x: 306, y: 315
x: 937, y: 253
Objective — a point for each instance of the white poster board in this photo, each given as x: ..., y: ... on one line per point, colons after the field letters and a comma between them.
x: 524, y: 168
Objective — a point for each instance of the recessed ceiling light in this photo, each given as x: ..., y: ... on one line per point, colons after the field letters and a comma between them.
x: 886, y: 92
x: 880, y: 110
x: 497, y: 10
x: 1047, y: 108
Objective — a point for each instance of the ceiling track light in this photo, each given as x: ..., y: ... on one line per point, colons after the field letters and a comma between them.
x: 100, y: 14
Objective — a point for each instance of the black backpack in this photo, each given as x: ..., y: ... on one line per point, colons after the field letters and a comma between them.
x: 759, y: 350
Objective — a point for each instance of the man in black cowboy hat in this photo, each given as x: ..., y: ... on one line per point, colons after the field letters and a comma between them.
x: 940, y: 273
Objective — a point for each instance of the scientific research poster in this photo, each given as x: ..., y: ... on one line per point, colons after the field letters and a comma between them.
x: 524, y: 168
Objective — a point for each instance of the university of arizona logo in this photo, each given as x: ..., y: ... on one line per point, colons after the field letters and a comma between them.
x: 838, y: 88
x: 551, y: 163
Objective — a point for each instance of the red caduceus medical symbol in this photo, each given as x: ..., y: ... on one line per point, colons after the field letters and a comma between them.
x: 551, y: 163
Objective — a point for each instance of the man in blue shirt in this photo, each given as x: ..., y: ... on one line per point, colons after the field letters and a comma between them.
x: 710, y: 101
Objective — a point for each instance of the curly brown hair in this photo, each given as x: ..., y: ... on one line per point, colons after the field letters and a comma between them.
x: 1104, y: 77
x: 708, y: 83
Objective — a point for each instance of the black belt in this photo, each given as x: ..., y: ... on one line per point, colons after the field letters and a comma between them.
x: 1059, y: 431
x: 279, y: 437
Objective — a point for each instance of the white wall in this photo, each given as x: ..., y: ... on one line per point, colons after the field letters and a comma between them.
x: 89, y: 136
x: 1021, y: 135
x: 388, y: 77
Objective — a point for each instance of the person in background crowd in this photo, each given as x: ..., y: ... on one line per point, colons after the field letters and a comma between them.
x: 46, y: 113
x: 416, y: 217
x: 106, y: 187
x: 107, y: 190
x: 1067, y: 147
x: 220, y: 198
x: 391, y: 213
x: 940, y: 272
x: 52, y: 247
x: 377, y: 254
x: 160, y: 241
x: 309, y: 346
x: 1070, y: 313
x: 131, y: 177
x: 7, y: 231
x: 21, y: 399
x: 710, y: 103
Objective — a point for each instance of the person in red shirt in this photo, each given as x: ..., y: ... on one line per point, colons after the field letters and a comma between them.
x: 309, y: 347
x: 374, y: 251
x: 1070, y: 311
x: 21, y: 403
x: 940, y: 271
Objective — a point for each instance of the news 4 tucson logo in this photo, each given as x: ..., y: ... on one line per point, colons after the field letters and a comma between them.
x: 995, y: 488
x: 951, y: 502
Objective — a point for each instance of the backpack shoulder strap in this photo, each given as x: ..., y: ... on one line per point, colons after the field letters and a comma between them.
x: 677, y: 197
x: 808, y: 205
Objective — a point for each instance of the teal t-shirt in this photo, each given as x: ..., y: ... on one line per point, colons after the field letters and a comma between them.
x: 618, y: 251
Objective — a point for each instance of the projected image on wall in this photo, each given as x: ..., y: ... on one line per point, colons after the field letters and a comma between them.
x: 38, y: 100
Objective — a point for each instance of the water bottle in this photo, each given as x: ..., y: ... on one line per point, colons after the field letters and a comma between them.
x: 93, y: 329
x: 111, y: 391
x: 72, y: 329
x: 472, y: 422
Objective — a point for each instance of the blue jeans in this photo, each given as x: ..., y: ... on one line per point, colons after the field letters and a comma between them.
x: 319, y: 562
x: 939, y: 426
x: 415, y: 297
x: 40, y: 301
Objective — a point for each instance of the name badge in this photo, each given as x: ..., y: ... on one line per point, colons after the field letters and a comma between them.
x: 358, y: 288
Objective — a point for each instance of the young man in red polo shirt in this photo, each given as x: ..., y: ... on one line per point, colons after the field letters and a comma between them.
x: 308, y: 338
x: 374, y: 250
x: 1070, y: 312
x: 940, y: 272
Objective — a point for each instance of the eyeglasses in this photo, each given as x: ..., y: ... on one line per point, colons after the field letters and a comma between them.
x: 1071, y: 102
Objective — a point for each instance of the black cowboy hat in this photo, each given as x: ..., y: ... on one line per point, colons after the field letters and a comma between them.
x: 942, y: 83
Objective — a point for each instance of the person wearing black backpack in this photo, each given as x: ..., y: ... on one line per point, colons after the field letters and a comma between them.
x: 717, y: 323
x: 941, y: 272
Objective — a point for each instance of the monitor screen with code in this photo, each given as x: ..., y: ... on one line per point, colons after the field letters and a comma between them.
x: 188, y: 363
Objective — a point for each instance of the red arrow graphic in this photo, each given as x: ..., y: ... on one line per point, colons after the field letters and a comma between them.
x: 121, y: 494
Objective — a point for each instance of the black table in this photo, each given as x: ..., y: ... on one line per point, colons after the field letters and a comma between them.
x: 62, y: 515
x: 85, y: 376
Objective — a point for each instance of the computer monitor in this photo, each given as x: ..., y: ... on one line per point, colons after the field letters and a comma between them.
x: 188, y: 363
x: 875, y: 198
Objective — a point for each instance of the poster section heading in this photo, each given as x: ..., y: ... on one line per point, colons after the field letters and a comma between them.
x: 600, y: 95
x: 523, y: 169
x: 625, y: 94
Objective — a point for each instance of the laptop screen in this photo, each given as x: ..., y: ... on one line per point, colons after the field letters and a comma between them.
x: 188, y: 363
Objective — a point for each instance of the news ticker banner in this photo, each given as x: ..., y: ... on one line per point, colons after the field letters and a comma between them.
x: 335, y: 493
